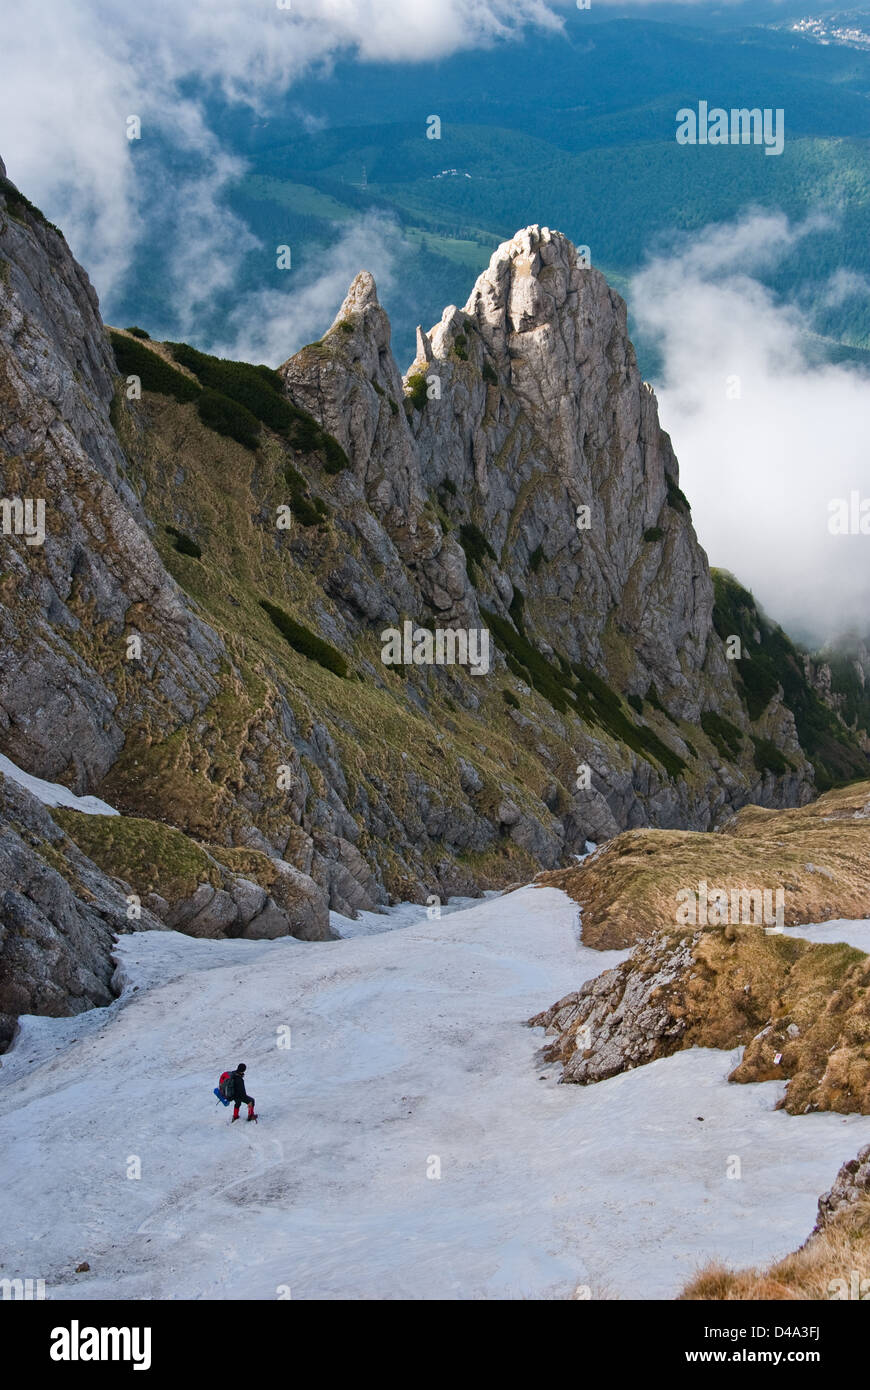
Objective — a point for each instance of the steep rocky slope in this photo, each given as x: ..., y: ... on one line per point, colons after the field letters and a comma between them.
x: 67, y: 699
x: 61, y: 910
x: 58, y: 917
x: 199, y: 638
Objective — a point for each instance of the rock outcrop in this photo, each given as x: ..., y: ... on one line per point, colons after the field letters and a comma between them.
x: 851, y: 1186
x: 59, y: 915
x: 623, y: 1018
x: 207, y: 891
x: 61, y: 910
x: 817, y: 857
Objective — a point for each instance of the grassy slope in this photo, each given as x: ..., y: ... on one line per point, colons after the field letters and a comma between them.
x: 799, y: 1009
x: 151, y: 857
x: 629, y: 888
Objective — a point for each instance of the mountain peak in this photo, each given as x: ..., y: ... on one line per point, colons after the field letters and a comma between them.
x: 536, y: 277
x: 532, y: 241
x: 362, y: 295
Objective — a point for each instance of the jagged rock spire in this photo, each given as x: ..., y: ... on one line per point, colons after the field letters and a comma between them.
x: 424, y: 346
x: 362, y: 295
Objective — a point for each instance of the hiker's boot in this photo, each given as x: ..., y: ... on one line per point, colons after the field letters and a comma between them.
x: 235, y: 1115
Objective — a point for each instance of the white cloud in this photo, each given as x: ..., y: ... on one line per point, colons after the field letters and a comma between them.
x: 270, y: 325
x: 844, y: 285
x: 207, y: 240
x: 761, y: 470
x: 70, y: 75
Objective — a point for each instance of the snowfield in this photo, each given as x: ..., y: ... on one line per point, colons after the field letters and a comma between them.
x: 408, y: 1055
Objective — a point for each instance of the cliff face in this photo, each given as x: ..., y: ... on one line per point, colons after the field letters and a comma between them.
x: 546, y: 415
x: 67, y: 604
x: 199, y: 637
x: 559, y: 421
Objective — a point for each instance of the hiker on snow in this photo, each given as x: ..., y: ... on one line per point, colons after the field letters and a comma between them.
x: 236, y: 1092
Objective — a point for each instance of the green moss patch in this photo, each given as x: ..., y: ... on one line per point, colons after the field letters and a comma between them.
x: 416, y: 392
x: 184, y: 544
x: 258, y: 392
x: 726, y: 737
x: 151, y: 857
x: 769, y: 659
x: 17, y: 205
x: 676, y: 498
x: 526, y: 662
x: 476, y: 547
x: 768, y: 757
x: 226, y: 416
x: 311, y: 511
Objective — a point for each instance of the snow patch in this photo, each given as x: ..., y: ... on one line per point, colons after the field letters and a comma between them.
x: 52, y: 793
x: 854, y: 933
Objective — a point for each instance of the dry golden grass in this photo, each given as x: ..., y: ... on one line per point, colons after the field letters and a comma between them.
x: 815, y: 1271
x: 628, y: 889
